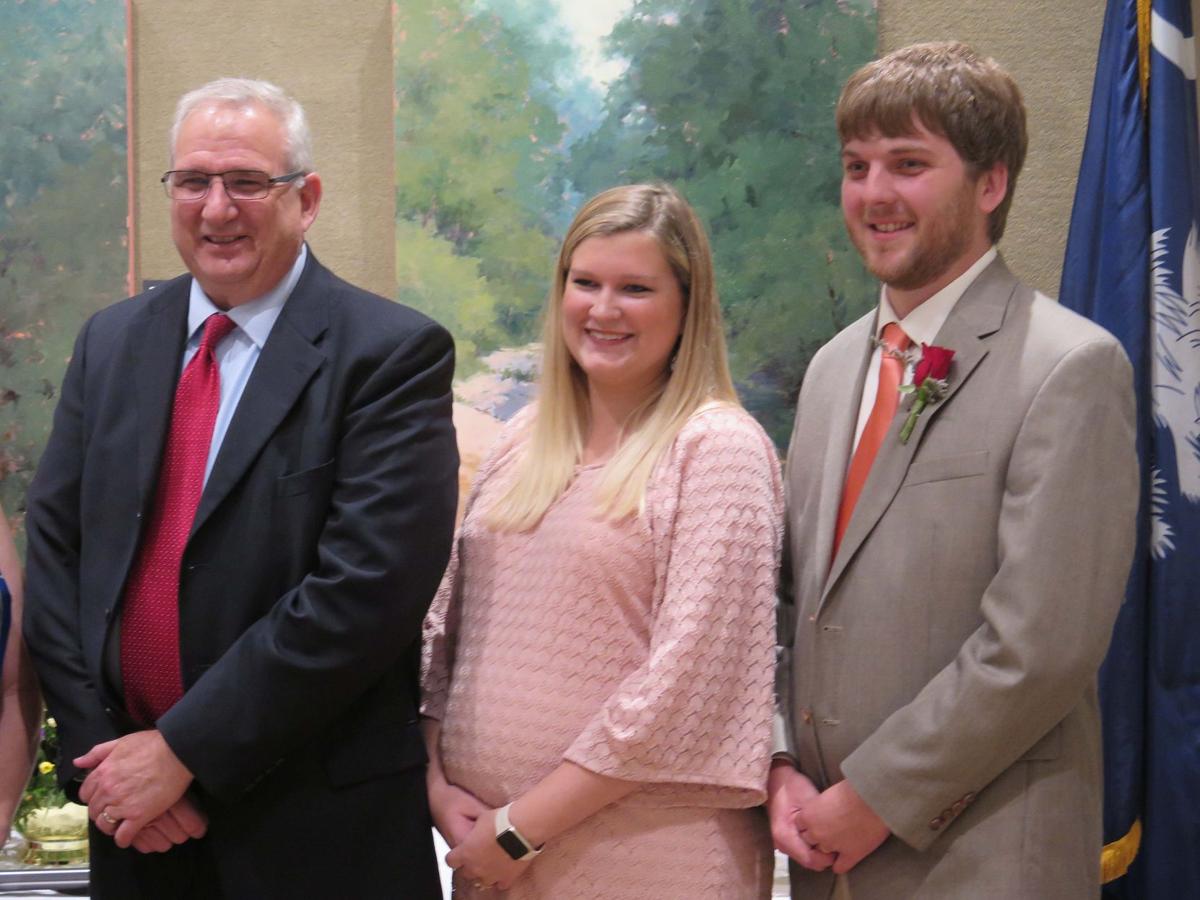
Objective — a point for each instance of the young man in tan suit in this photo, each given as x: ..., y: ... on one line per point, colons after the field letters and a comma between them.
x: 957, y: 554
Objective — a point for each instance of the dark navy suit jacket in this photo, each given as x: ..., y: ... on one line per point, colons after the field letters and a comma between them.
x: 318, y: 544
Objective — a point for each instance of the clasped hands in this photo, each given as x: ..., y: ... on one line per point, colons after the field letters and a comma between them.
x: 469, y: 827
x: 820, y: 829
x: 134, y: 791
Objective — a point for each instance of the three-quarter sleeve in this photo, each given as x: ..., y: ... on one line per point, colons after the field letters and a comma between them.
x: 693, y: 722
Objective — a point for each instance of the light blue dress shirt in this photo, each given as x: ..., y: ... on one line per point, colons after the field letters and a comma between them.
x: 238, y: 353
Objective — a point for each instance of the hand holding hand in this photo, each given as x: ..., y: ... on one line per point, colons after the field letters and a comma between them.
x: 840, y: 821
x: 179, y: 823
x: 480, y: 859
x: 787, y: 793
x: 454, y: 810
x: 133, y: 780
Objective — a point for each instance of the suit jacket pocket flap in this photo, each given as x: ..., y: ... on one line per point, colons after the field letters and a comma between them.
x: 961, y: 465
x: 393, y: 747
x: 303, y: 481
x: 1048, y: 747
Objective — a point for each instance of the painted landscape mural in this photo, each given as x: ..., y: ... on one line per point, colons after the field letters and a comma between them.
x: 509, y: 113
x: 63, y: 240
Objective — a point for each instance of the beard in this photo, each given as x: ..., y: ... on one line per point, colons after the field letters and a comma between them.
x: 947, y: 238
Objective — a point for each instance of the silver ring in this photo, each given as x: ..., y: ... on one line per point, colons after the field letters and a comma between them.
x: 107, y: 818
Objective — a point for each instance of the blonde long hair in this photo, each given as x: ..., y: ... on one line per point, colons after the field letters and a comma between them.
x: 699, y: 372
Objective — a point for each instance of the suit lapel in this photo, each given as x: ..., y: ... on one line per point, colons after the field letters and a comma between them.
x: 977, y: 315
x: 842, y: 390
x: 153, y: 351
x: 287, y: 363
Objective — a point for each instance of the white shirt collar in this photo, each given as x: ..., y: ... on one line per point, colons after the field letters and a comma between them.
x: 255, y: 317
x: 923, y: 323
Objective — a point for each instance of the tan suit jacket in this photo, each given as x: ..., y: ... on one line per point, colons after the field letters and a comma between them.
x: 945, y: 662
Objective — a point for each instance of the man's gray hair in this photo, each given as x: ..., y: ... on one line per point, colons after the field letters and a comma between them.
x: 245, y: 92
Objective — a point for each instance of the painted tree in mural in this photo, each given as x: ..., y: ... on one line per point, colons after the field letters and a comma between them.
x: 732, y: 101
x: 62, y: 205
x: 478, y: 173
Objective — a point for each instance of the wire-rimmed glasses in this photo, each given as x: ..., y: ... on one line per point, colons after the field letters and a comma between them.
x: 240, y: 184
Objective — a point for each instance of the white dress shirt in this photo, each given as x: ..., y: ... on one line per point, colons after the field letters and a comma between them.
x: 237, y: 354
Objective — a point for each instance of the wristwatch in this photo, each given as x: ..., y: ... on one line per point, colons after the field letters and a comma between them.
x: 512, y: 841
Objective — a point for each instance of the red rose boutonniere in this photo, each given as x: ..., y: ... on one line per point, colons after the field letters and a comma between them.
x: 928, y: 385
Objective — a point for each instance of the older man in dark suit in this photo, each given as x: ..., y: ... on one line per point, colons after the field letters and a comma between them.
x: 241, y: 516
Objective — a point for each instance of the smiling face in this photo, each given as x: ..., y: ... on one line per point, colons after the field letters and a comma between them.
x: 914, y: 211
x: 239, y: 249
x: 622, y: 313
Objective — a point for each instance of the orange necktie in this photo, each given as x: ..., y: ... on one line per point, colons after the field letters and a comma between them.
x: 891, y: 371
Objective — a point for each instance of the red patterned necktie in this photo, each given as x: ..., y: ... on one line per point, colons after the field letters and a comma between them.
x: 887, y: 398
x: 150, y: 666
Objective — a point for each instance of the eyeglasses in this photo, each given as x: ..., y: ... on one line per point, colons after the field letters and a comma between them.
x: 240, y: 184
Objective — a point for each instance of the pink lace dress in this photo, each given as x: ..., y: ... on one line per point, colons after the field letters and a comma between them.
x: 640, y: 649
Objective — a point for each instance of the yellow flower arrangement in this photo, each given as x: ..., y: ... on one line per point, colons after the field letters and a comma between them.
x: 43, y: 791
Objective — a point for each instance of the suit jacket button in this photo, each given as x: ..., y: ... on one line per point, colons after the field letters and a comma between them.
x: 936, y: 822
x: 807, y: 716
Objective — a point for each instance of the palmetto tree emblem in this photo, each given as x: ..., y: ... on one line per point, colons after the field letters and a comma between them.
x: 1176, y: 372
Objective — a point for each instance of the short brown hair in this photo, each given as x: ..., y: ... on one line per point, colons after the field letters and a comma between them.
x: 954, y: 92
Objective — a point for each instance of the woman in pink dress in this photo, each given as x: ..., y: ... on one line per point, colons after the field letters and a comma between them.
x: 599, y: 658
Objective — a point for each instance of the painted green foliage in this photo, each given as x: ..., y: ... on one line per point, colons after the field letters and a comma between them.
x: 62, y: 205
x: 729, y: 100
x: 477, y: 174
x: 732, y: 101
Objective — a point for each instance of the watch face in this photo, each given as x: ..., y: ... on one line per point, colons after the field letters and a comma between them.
x: 511, y: 844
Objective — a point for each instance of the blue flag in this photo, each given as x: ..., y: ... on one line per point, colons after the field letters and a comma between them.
x: 1133, y: 265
